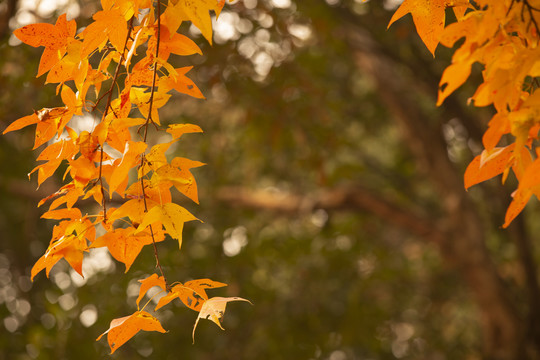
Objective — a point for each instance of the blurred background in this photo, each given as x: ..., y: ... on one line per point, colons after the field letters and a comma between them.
x: 333, y: 199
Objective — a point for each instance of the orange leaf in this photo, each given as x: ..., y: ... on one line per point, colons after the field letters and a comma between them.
x: 123, y: 245
x: 108, y: 24
x: 181, y: 83
x: 498, y: 126
x: 70, y: 198
x: 176, y: 44
x: 487, y: 165
x: 72, y: 213
x: 428, y: 17
x: 69, y: 247
x: 213, y: 309
x: 123, y: 329
x: 529, y: 184
x: 141, y: 98
x: 156, y: 193
x: 177, y: 130
x: 22, y: 122
x: 50, y: 120
x: 187, y: 186
x: 53, y: 154
x: 149, y: 282
x: 192, y: 293
x: 53, y: 37
x: 130, y: 157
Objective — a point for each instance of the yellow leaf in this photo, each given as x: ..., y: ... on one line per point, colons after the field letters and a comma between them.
x: 197, y: 11
x: 172, y: 216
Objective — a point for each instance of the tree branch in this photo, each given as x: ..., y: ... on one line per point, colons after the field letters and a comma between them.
x: 339, y: 199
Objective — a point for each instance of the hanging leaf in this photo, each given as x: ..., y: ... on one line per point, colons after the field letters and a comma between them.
x: 123, y: 329
x: 214, y: 309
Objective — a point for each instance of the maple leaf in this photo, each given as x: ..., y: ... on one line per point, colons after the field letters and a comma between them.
x: 172, y: 216
x: 53, y: 154
x: 188, y: 186
x: 123, y: 329
x: 134, y: 209
x: 213, y: 309
x: 110, y: 22
x: 148, y: 283
x: 176, y: 44
x: 181, y: 83
x: 53, y: 37
x: 124, y: 245
x: 428, y: 17
x: 69, y: 247
x: 141, y: 98
x: 197, y: 11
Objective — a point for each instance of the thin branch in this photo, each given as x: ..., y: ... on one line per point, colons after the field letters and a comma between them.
x: 145, y: 126
x: 107, y: 107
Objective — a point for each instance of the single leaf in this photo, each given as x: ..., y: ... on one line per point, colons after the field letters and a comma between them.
x: 529, y: 184
x: 428, y: 17
x: 107, y: 24
x: 134, y: 209
x: 181, y: 83
x: 70, y: 247
x: 22, y: 122
x: 188, y: 186
x: 148, y: 283
x: 487, y: 165
x: 197, y: 11
x: 53, y: 37
x: 72, y: 213
x: 123, y: 329
x: 177, y: 130
x: 176, y: 44
x: 172, y: 216
x: 123, y: 245
x: 214, y: 309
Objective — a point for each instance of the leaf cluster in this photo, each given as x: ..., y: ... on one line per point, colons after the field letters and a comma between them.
x: 503, y: 37
x: 116, y: 72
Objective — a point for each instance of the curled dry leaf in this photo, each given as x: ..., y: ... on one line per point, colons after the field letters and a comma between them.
x: 213, y: 309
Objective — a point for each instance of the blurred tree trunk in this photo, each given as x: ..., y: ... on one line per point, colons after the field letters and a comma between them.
x: 6, y: 13
x: 464, y: 244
